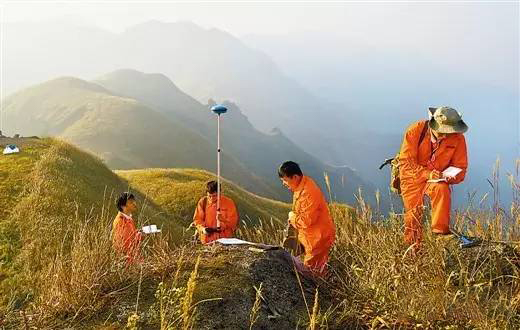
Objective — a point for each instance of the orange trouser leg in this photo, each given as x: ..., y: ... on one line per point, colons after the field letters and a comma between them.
x: 412, y: 194
x: 317, y: 264
x: 440, y: 196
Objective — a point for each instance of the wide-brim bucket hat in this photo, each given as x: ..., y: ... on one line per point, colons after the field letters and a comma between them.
x: 446, y: 120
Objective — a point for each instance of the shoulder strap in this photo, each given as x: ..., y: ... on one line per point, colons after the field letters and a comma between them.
x: 423, y: 133
x: 421, y: 138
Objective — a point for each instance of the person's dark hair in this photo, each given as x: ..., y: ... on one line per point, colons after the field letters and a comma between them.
x: 123, y: 199
x: 289, y: 169
x: 211, y: 187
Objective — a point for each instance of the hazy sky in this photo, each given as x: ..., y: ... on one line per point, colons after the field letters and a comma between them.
x: 485, y: 34
x: 279, y: 17
x: 474, y: 42
x: 488, y: 30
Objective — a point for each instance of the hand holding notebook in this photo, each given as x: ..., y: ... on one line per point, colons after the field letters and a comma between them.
x: 448, y: 173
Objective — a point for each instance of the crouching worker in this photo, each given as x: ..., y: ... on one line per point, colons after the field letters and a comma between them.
x: 309, y: 217
x: 206, y: 215
x: 428, y: 149
x: 126, y: 239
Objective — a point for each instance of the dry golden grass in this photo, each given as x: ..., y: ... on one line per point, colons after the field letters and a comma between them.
x: 374, y: 281
x: 253, y: 316
x: 379, y: 283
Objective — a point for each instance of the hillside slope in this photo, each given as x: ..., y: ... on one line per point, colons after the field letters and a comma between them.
x: 56, y: 269
x: 15, y: 170
x: 177, y: 191
x: 205, y: 63
x: 262, y: 153
x: 122, y: 131
x: 52, y: 191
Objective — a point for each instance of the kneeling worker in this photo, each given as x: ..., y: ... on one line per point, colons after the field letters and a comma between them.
x: 310, y: 217
x: 126, y: 239
x: 206, y: 214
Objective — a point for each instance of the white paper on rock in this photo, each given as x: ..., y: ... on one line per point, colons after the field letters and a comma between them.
x: 233, y: 241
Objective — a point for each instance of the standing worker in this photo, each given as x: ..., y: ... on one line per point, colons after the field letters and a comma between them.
x: 310, y: 217
x: 207, y: 219
x: 428, y: 149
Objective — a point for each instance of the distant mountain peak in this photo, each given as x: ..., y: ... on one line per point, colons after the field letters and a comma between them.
x: 132, y: 73
x: 73, y: 82
x: 158, y: 81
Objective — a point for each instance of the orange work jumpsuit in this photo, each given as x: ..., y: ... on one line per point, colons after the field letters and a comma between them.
x: 207, y: 217
x: 125, y: 237
x: 416, y: 164
x: 316, y: 230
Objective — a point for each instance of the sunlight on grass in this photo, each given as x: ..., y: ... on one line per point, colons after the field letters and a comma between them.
x: 60, y: 270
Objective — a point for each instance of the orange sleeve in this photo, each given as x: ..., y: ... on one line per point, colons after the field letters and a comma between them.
x: 305, y: 209
x: 199, y: 216
x: 230, y: 220
x: 408, y: 159
x: 460, y: 160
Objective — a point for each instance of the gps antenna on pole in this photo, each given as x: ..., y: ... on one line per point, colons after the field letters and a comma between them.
x: 218, y: 109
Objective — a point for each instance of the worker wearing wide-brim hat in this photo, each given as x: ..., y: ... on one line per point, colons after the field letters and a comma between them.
x: 428, y: 149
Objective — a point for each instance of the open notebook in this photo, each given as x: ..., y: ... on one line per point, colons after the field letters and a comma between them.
x: 151, y: 229
x: 450, y: 172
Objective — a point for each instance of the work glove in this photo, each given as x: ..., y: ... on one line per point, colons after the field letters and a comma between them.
x: 291, y: 243
x: 435, y: 175
x: 291, y: 216
x: 210, y: 230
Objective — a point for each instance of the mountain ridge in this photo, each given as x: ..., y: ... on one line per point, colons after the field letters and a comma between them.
x: 261, y: 152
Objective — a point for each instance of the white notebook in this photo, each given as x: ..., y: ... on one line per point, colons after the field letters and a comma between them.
x: 151, y: 229
x: 450, y: 172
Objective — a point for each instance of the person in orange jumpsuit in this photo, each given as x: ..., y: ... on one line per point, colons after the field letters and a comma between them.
x: 126, y: 239
x: 422, y: 160
x: 206, y: 214
x: 310, y: 217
